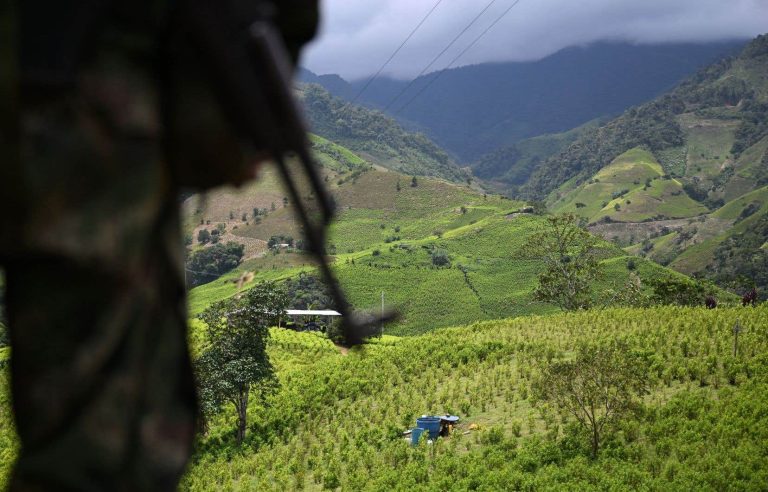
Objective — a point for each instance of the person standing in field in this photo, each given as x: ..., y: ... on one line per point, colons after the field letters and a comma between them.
x: 105, y: 114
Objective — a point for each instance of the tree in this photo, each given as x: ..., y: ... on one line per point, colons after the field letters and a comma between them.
x: 681, y: 291
x: 440, y: 258
x: 203, y: 236
x: 210, y: 263
x: 276, y: 240
x: 570, y: 256
x: 598, y: 387
x: 235, y: 366
x: 414, y: 182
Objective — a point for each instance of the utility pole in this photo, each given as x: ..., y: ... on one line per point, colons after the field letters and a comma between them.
x: 736, y: 331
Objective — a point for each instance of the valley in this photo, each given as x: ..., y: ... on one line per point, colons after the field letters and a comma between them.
x: 663, y: 193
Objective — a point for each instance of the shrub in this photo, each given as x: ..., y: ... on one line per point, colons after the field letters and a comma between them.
x: 209, y: 264
x: 440, y: 258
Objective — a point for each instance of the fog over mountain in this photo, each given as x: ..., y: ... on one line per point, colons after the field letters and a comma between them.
x: 358, y: 35
x: 475, y: 109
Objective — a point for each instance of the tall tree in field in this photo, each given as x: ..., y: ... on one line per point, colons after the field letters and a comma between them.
x: 597, y: 387
x: 571, y: 263
x: 234, y: 367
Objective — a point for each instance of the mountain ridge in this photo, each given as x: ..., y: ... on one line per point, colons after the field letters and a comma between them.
x: 551, y: 95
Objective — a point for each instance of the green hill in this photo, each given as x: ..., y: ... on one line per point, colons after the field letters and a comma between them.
x: 375, y: 136
x: 698, y: 131
x: 474, y: 109
x: 384, y: 240
x: 337, y: 421
x: 508, y: 167
x: 633, y: 188
x: 671, y: 179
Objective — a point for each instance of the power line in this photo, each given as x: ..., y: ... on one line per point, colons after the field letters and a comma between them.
x: 439, y: 55
x: 392, y: 56
x: 473, y: 43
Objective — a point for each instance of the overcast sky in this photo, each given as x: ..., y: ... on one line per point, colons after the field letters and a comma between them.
x: 357, y: 36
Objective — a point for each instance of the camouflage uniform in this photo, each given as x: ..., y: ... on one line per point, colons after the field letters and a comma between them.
x: 100, y: 375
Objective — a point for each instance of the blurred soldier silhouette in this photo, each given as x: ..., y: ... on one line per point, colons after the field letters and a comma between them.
x: 106, y: 113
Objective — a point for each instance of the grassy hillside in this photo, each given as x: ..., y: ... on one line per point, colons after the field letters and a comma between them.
x: 680, y: 177
x: 337, y: 420
x: 384, y: 240
x: 376, y: 137
x: 637, y: 184
x: 747, y: 213
x: 698, y: 131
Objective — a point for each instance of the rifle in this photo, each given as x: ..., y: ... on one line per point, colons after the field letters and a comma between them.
x: 250, y: 71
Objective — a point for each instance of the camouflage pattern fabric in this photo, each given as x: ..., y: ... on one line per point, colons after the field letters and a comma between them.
x: 101, y: 380
x: 102, y: 388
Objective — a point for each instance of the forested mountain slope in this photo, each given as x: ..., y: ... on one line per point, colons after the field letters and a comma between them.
x: 511, y: 166
x: 376, y: 136
x: 699, y: 129
x: 680, y: 179
x: 476, y: 109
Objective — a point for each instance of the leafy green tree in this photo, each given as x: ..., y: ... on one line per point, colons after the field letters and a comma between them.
x: 276, y: 240
x: 210, y: 263
x: 235, y: 367
x: 571, y: 264
x: 598, y: 387
x: 536, y: 207
x: 681, y: 291
x: 203, y: 236
x: 440, y: 258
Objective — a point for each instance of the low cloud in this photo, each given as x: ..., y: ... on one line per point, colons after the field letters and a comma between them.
x: 358, y: 35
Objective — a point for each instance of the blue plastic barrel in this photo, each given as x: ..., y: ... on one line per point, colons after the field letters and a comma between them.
x: 416, y: 435
x: 431, y: 424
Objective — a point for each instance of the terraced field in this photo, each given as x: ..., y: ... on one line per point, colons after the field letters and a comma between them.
x: 633, y: 188
x: 385, y: 236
